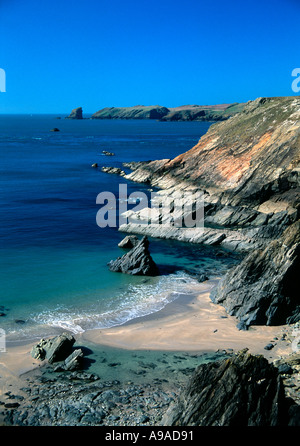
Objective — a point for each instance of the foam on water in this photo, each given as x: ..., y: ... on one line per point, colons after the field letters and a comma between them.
x: 138, y: 300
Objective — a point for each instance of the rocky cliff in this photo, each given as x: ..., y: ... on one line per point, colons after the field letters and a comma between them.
x: 244, y: 390
x: 218, y: 112
x: 248, y: 169
x: 137, y: 112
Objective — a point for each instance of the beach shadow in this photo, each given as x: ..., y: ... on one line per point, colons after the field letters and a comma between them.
x: 165, y: 270
x: 86, y: 360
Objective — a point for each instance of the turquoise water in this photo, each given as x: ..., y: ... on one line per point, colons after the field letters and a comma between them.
x: 53, y: 265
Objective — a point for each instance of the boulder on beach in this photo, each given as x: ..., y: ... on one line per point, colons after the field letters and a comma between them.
x: 74, y: 361
x: 137, y: 261
x: 54, y: 349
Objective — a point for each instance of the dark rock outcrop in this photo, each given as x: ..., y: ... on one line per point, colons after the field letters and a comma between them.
x: 76, y: 113
x: 264, y: 287
x: 137, y: 261
x: 244, y: 390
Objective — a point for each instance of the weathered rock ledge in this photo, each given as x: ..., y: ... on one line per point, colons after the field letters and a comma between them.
x: 244, y: 390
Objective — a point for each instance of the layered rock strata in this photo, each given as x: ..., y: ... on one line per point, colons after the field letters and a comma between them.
x: 244, y: 390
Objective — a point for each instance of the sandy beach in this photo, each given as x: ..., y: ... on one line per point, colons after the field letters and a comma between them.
x: 190, y: 323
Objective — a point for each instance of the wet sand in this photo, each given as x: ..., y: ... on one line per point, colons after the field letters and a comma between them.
x: 190, y: 323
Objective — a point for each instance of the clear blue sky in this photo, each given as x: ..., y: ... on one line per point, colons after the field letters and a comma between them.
x: 63, y: 54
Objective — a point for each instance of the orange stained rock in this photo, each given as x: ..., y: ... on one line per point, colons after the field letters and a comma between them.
x: 233, y: 167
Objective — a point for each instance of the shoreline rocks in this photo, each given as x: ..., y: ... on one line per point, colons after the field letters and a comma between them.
x: 244, y: 390
x: 262, y: 289
x: 59, y: 350
x: 229, y: 389
x: 113, y: 170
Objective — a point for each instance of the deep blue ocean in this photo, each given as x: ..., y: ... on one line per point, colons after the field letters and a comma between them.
x: 53, y: 271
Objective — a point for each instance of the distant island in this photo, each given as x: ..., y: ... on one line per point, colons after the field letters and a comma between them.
x: 219, y: 112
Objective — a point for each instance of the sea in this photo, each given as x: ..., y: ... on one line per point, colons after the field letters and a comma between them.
x: 53, y: 272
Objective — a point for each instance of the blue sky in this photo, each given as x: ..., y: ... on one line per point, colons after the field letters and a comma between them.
x: 59, y: 55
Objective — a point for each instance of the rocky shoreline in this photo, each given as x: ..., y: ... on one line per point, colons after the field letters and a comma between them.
x: 53, y: 396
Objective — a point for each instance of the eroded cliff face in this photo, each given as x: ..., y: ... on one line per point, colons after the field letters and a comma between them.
x: 248, y: 170
x: 217, y: 112
x: 250, y: 159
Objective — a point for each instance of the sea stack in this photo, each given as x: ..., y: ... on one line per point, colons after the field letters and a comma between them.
x: 76, y: 113
x: 137, y: 261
